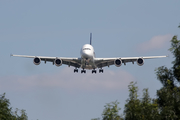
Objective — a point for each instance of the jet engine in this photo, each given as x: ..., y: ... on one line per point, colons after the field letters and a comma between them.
x: 140, y: 61
x: 118, y: 62
x: 58, y: 62
x: 37, y: 61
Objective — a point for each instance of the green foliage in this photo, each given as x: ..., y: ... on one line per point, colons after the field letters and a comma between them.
x: 6, y: 112
x: 140, y: 109
x: 168, y: 97
x: 149, y: 107
x: 163, y: 74
x: 96, y: 119
x: 167, y: 104
x: 175, y: 49
x: 132, y: 107
x: 23, y: 115
x: 111, y: 111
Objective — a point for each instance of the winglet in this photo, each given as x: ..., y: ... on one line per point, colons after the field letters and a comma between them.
x: 90, y: 38
x: 11, y: 55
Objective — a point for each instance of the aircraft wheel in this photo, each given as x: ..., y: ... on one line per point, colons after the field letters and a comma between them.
x: 83, y: 71
x: 75, y: 70
x: 93, y: 71
x: 100, y: 70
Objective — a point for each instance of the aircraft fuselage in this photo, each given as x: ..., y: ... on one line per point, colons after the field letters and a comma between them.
x: 87, y: 54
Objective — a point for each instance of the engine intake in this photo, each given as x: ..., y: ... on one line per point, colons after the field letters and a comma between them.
x: 37, y: 61
x: 140, y: 61
x: 58, y: 62
x: 118, y: 62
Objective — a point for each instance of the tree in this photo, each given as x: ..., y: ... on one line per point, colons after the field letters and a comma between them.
x: 140, y: 109
x: 6, y: 112
x: 149, y: 107
x: 167, y: 104
x: 111, y: 111
x: 23, y: 115
x: 95, y: 119
x: 132, y: 107
x: 175, y: 49
x: 168, y: 97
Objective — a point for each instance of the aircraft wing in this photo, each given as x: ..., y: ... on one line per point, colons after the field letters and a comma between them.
x: 103, y: 62
x: 75, y: 62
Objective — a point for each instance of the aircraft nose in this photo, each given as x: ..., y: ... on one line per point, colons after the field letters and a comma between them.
x: 87, y: 54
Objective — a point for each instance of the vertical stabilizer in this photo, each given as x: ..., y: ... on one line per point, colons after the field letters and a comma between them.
x: 90, y: 38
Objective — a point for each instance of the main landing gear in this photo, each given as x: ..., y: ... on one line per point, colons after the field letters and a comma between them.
x: 101, y: 70
x: 93, y: 71
x: 75, y: 70
x: 83, y: 71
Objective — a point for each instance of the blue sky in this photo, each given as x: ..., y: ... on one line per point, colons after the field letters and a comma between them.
x: 61, y: 28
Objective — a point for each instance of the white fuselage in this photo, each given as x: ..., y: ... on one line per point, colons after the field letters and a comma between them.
x: 87, y: 55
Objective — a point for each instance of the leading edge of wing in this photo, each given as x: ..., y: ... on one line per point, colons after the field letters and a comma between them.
x: 131, y: 58
x: 27, y: 56
x: 45, y: 57
x: 145, y: 57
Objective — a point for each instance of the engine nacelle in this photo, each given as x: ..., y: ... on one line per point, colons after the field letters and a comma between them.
x: 140, y: 61
x: 58, y: 62
x: 118, y: 62
x: 37, y: 61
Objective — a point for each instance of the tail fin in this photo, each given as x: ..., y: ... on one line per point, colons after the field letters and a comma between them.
x: 90, y: 38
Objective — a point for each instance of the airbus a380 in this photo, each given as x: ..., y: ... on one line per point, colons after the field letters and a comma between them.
x: 88, y: 60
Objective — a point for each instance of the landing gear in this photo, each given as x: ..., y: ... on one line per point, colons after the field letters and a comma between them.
x: 83, y: 71
x: 93, y: 71
x: 101, y: 70
x: 75, y: 70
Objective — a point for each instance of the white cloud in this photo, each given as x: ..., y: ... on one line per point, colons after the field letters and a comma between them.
x: 156, y: 42
x: 69, y: 81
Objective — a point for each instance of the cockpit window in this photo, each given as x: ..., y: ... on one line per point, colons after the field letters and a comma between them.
x: 86, y: 49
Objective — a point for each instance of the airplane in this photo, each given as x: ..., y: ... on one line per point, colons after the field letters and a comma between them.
x: 88, y: 60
